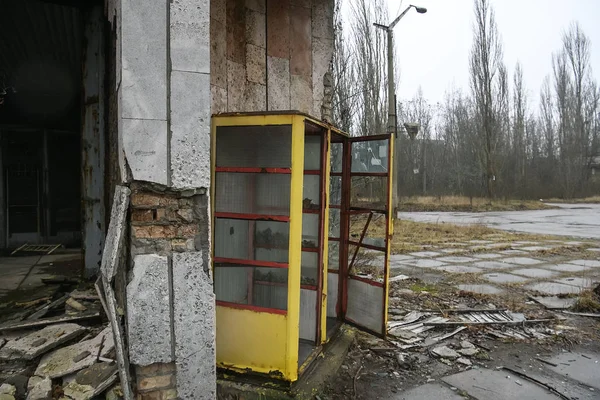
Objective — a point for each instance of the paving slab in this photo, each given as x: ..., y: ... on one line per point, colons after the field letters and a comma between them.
x: 480, y: 241
x: 555, y: 303
x: 492, y: 265
x: 594, y: 249
x: 91, y: 381
x: 429, y: 391
x: 486, y: 256
x: 460, y: 269
x: 499, y: 277
x: 535, y: 272
x: 553, y: 288
x: 584, y: 283
x: 480, y: 289
x: 521, y: 261
x: 525, y: 243
x: 455, y: 259
x: 485, y: 384
x: 400, y: 257
x: 565, y: 267
x: 423, y: 263
x: 40, y: 342
x: 76, y: 357
x: 425, y: 254
x: 496, y: 245
x: 584, y: 368
x: 586, y: 263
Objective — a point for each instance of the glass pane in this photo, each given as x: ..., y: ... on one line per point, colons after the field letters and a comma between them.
x: 310, y: 270
x: 367, y: 264
x: 310, y: 230
x: 333, y: 256
x: 369, y: 192
x: 370, y: 156
x: 257, y: 286
x: 335, y: 190
x: 336, y: 157
x: 334, y: 222
x: 254, y: 146
x: 310, y: 192
x: 252, y: 240
x: 253, y: 193
x: 376, y: 231
x: 312, y: 152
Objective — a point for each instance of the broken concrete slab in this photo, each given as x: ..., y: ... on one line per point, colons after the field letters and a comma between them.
x: 40, y: 342
x: 91, y: 381
x: 499, y: 277
x: 445, y: 352
x: 39, y: 388
x: 400, y: 257
x: 512, y: 252
x: 586, y: 263
x: 554, y: 302
x: 455, y: 259
x: 480, y: 289
x: 76, y: 357
x: 6, y: 388
x: 468, y: 352
x: 536, y: 248
x: 464, y: 361
x: 584, y: 368
x: 566, y: 267
x: 115, y: 235
x: 429, y: 391
x: 452, y: 251
x: 485, y: 384
x: 460, y: 269
x: 465, y: 344
x: 148, y: 294
x: 521, y: 261
x: 535, y: 273
x: 399, y: 278
x: 553, y: 288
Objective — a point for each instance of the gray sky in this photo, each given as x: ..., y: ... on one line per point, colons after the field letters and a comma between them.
x: 433, y: 49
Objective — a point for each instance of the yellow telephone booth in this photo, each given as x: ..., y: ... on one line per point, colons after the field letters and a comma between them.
x: 301, y: 235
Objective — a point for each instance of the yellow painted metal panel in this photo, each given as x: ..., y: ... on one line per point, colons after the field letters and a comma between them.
x: 295, y: 247
x: 250, y: 339
x: 246, y: 120
x: 325, y: 249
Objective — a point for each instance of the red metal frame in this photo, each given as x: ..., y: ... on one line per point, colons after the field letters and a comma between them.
x: 380, y: 174
x: 250, y: 307
x: 248, y: 263
x: 362, y: 236
x: 366, y: 246
x: 312, y: 172
x: 252, y: 217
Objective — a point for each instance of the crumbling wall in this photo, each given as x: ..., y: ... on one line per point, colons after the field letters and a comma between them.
x: 271, y: 55
x: 159, y: 134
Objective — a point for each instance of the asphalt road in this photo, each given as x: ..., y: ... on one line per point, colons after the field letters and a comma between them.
x: 576, y: 220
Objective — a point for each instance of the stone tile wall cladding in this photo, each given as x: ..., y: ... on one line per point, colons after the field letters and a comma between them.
x: 159, y: 134
x: 271, y: 55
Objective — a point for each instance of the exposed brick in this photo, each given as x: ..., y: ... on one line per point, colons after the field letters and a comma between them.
x: 144, y: 199
x: 169, y: 394
x: 154, y: 232
x: 156, y: 369
x: 142, y: 215
x: 155, y: 382
x: 187, y: 214
x: 183, y: 245
x: 187, y: 231
x: 150, y: 396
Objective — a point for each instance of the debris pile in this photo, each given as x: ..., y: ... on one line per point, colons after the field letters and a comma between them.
x: 55, y: 345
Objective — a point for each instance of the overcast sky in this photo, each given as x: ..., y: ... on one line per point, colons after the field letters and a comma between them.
x: 433, y: 49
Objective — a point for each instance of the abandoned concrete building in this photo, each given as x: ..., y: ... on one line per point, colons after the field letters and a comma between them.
x: 106, y: 116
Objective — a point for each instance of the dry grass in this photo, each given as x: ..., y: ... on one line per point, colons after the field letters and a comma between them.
x: 463, y: 203
x: 587, y: 302
x: 589, y: 200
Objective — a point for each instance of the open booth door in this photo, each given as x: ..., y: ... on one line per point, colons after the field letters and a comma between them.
x: 368, y: 230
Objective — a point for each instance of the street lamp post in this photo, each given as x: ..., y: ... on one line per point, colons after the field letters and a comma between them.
x: 391, y: 122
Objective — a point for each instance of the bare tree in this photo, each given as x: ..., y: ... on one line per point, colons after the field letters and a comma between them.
x: 487, y: 70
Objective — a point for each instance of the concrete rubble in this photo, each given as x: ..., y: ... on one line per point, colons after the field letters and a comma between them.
x: 57, y: 345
